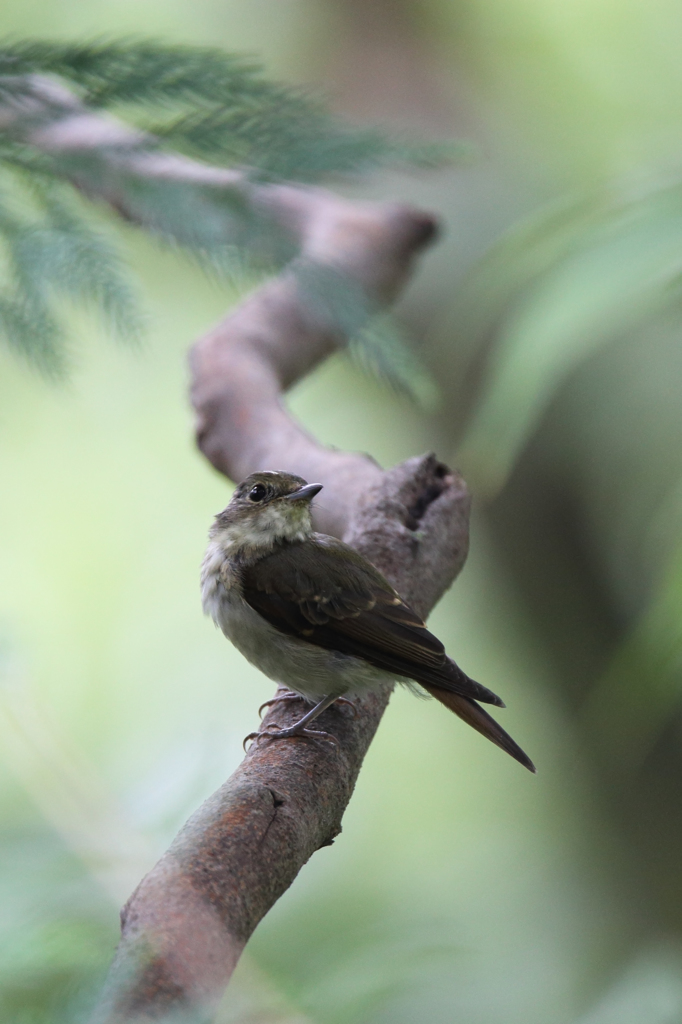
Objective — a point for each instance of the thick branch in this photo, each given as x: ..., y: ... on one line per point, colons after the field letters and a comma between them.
x: 275, y: 337
x: 185, y: 926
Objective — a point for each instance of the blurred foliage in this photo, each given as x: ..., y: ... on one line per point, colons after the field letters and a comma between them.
x: 551, y: 293
x: 641, y: 691
x: 206, y: 103
x: 458, y: 890
x: 211, y: 104
x: 649, y: 990
x: 50, y: 250
x: 377, y: 343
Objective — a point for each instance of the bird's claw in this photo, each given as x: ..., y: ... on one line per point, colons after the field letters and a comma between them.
x: 251, y: 736
x: 287, y: 695
x: 274, y: 733
x: 347, y: 703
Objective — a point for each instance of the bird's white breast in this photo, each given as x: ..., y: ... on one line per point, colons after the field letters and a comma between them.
x: 309, y: 670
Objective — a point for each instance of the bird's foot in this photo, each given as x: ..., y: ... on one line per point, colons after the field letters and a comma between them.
x: 284, y: 696
x: 299, y: 728
x: 289, y: 695
x: 275, y: 733
x: 347, y: 703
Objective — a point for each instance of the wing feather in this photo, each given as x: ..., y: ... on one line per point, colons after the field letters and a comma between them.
x: 327, y: 594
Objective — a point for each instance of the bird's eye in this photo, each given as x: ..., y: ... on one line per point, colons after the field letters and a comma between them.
x: 258, y: 492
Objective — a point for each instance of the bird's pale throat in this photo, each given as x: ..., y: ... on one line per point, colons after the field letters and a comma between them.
x: 265, y: 527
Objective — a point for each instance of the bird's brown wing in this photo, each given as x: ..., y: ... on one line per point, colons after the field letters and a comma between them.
x: 323, y: 592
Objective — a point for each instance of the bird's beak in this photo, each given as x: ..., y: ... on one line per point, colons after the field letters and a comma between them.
x: 306, y: 493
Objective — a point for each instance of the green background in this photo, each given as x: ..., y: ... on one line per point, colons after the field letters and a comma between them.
x: 461, y: 889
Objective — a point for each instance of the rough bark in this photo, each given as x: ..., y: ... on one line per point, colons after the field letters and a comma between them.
x: 184, y: 927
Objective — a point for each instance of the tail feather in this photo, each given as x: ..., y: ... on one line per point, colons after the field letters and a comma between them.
x: 450, y: 677
x: 474, y: 715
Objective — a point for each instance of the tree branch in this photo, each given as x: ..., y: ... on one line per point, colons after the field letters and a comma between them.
x: 184, y: 927
x: 109, y: 160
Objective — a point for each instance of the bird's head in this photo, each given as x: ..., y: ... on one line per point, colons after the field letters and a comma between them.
x: 266, y: 508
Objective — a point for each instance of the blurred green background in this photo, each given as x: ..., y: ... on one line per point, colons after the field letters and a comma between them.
x: 462, y: 889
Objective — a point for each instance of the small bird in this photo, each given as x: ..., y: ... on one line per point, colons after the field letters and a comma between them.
x: 318, y: 618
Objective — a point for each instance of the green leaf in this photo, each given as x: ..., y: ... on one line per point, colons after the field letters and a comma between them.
x: 616, y: 271
x: 642, y: 688
x: 51, y: 253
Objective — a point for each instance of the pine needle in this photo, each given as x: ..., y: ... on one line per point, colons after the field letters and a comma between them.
x: 203, y: 102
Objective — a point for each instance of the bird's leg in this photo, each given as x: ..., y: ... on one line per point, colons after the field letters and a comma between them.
x: 287, y: 695
x: 282, y: 696
x: 347, y: 704
x: 299, y: 728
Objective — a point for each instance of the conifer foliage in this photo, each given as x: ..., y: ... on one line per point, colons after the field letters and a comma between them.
x: 202, y: 102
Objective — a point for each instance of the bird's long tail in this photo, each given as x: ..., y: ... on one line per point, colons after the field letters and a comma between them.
x: 474, y: 715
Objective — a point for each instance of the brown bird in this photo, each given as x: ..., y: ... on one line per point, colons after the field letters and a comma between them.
x: 317, y: 617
